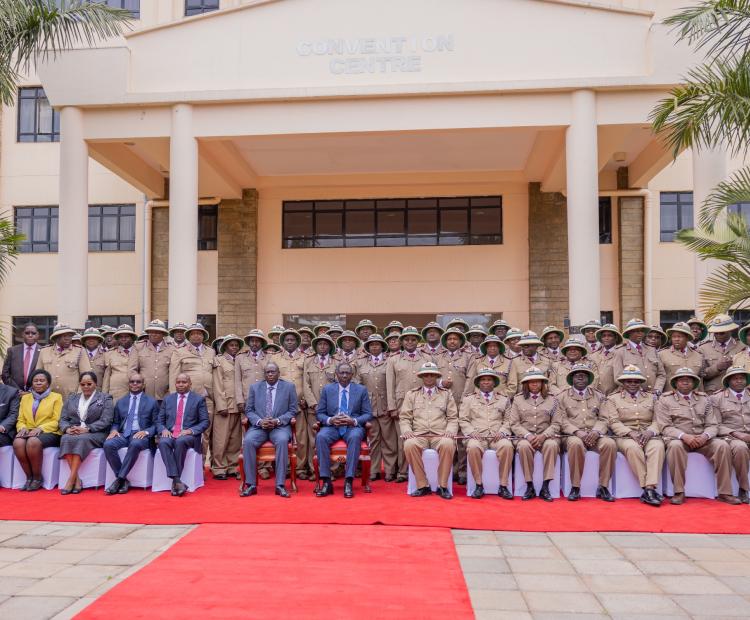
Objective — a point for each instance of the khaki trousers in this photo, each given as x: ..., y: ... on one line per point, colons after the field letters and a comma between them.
x: 647, y: 463
x: 384, y: 445
x: 475, y: 449
x: 576, y: 450
x: 305, y: 440
x: 740, y: 461
x: 445, y: 447
x: 716, y: 451
x: 206, y: 437
x: 226, y: 443
x: 550, y: 450
x: 459, y: 460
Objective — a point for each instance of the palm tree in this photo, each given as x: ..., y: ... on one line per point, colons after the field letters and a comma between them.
x: 10, y: 240
x: 712, y: 109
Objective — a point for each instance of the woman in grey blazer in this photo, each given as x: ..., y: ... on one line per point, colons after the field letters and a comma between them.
x: 85, y: 422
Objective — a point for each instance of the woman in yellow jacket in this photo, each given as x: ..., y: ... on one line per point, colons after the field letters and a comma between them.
x: 37, y: 426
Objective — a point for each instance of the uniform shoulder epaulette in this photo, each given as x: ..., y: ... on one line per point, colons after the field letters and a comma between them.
x: 440, y: 387
x: 417, y: 389
x: 75, y: 346
x: 600, y: 394
x: 667, y: 393
x: 701, y: 393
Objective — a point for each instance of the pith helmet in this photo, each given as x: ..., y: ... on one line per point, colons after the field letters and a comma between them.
x: 275, y: 330
x: 125, y: 329
x: 456, y: 322
x: 571, y: 343
x: 527, y: 337
x: 216, y: 343
x: 290, y: 331
x: 609, y: 327
x: 680, y: 328
x: 512, y: 333
x: 694, y: 320
x: 660, y: 331
x: 335, y: 329
x: 592, y: 324
x: 92, y: 332
x: 178, y: 327
x: 306, y: 330
x: 323, y: 338
x: 375, y: 338
x: 487, y: 340
x: 428, y: 368
x: 431, y: 325
x: 499, y: 323
x: 321, y: 325
x: 106, y: 330
x: 256, y: 333
x: 348, y: 334
x: 365, y: 323
x: 227, y: 339
x: 397, y: 326
x: 59, y: 330
x: 476, y: 329
x: 409, y: 330
x: 453, y: 331
x: 157, y: 326
x: 272, y: 347
x: 631, y: 371
x: 487, y: 372
x: 742, y: 335
x: 735, y: 370
x: 634, y: 325
x: 722, y: 323
x: 551, y: 329
x: 580, y: 368
x: 685, y: 372
x: 534, y: 374
x: 197, y: 327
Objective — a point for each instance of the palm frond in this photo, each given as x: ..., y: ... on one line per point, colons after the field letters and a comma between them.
x: 10, y: 241
x: 735, y: 190
x: 729, y: 241
x: 728, y: 287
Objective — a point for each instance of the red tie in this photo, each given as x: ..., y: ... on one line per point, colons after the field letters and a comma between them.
x: 26, y: 364
x: 180, y: 412
x: 638, y: 347
x: 411, y: 355
x: 739, y: 396
x: 322, y: 365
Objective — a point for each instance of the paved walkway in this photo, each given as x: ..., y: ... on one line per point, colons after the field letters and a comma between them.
x: 589, y: 575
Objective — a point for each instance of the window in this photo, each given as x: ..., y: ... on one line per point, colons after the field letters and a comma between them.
x: 209, y: 322
x: 605, y: 219
x: 393, y: 222
x: 208, y: 226
x: 743, y: 209
x: 196, y: 7
x: 113, y: 320
x: 45, y: 325
x: 111, y: 228
x: 37, y: 121
x: 667, y: 318
x: 39, y: 226
x: 134, y: 6
x: 741, y: 317
x: 607, y: 317
x: 676, y: 213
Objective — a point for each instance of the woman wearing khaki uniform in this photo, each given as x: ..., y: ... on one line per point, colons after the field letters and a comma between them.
x: 116, y: 374
x: 93, y: 342
x: 226, y: 439
x: 64, y: 361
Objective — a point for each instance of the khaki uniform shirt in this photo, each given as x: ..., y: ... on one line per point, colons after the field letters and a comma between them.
x: 732, y: 414
x: 478, y: 415
x: 199, y: 366
x: 456, y: 368
x: 224, y: 392
x: 401, y: 376
x: 352, y: 358
x: 553, y: 356
x: 291, y: 368
x: 98, y: 364
x: 581, y: 413
x: 647, y: 360
x: 116, y: 373
x: 425, y: 415
x: 538, y: 416
x: 742, y: 359
x: 605, y: 362
x: 433, y: 353
x: 316, y: 378
x: 713, y: 353
x: 675, y: 415
x: 372, y: 377
x: 65, y: 367
x: 559, y: 373
x: 674, y: 360
x: 626, y: 414
x: 248, y: 370
x: 500, y: 365
x: 518, y: 367
x: 153, y: 365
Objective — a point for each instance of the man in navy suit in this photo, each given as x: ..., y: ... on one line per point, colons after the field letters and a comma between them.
x: 343, y: 409
x: 134, y: 428
x: 270, y: 406
x: 183, y: 418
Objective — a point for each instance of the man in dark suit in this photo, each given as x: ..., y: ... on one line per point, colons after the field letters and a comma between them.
x: 343, y: 409
x: 134, y: 428
x: 10, y: 399
x: 270, y: 406
x: 21, y: 360
x: 182, y: 419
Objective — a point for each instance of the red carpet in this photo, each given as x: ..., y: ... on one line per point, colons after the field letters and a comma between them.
x: 218, y: 502
x: 303, y: 571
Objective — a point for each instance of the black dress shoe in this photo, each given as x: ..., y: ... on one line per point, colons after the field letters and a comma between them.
x: 575, y: 494
x: 401, y: 478
x: 124, y: 487
x: 178, y: 488
x: 248, y: 490
x: 544, y: 493
x: 113, y: 488
x: 422, y: 492
x: 282, y: 492
x: 461, y: 479
x: 389, y: 478
x: 325, y: 489
x: 478, y: 492
x: 66, y: 491
x: 444, y: 493
x: 649, y: 497
x: 743, y: 496
x: 504, y: 493
x: 374, y: 477
x: 603, y: 493
x: 657, y: 495
x: 220, y: 476
x: 348, y: 490
x: 530, y: 492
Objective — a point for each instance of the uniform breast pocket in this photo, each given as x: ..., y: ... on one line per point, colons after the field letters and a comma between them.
x: 330, y: 376
x: 72, y: 365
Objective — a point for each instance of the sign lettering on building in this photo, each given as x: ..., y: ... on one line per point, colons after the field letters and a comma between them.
x: 396, y: 54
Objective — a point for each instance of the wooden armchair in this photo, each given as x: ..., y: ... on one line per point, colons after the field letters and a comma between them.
x: 267, y: 454
x: 338, y: 455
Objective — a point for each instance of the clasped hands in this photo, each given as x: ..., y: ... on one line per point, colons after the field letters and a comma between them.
x: 589, y: 438
x: 641, y: 437
x: 341, y: 419
x: 76, y: 430
x: 185, y: 431
x: 694, y: 441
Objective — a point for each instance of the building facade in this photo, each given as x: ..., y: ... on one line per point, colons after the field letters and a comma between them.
x: 269, y: 161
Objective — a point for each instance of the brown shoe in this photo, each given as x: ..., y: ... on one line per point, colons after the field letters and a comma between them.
x: 677, y: 499
x: 729, y: 499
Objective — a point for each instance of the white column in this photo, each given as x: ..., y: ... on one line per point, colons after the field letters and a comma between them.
x: 183, y: 217
x: 73, y: 223
x: 583, y: 209
x: 709, y: 169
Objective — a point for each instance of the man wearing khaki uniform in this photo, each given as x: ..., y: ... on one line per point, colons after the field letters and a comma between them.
x: 428, y: 418
x: 529, y: 358
x: 585, y: 428
x: 116, y: 374
x: 634, y: 352
x: 732, y: 407
x: 226, y: 436
x: 604, y: 358
x: 63, y: 360
x: 718, y: 351
x: 630, y: 414
x: 318, y: 371
x: 688, y: 423
x: 574, y: 352
x: 492, y: 357
x: 400, y: 377
x: 680, y: 355
x: 93, y: 344
x: 742, y: 359
x: 151, y: 360
x: 482, y: 418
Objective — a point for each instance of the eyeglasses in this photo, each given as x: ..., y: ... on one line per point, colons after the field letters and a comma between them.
x: 29, y: 333
x: 135, y: 381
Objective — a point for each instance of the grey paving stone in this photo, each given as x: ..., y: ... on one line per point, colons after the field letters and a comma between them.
x: 63, y: 586
x: 110, y: 531
x: 588, y: 539
x: 690, y: 584
x: 31, y: 569
x: 483, y: 565
x: 559, y: 615
x: 622, y: 540
x: 87, y: 571
x: 73, y: 610
x: 550, y: 583
x: 462, y: 537
x: 566, y: 602
x: 36, y: 607
x: 630, y: 603
x: 714, y: 604
x: 527, y: 539
x: 76, y: 542
x: 466, y: 551
x: 643, y: 553
x: 62, y: 556
x: 604, y: 567
x: 490, y: 581
x: 543, y: 553
x: 592, y: 553
x: 177, y: 531
x: 714, y: 554
x: 506, y: 600
x: 26, y: 541
x: 16, y: 555
x: 693, y: 540
x: 496, y: 614
x: 620, y: 583
x: 531, y: 566
x: 726, y: 569
x: 58, y: 529
x: 114, y: 558
x: 12, y: 585
x: 735, y: 541
x: 740, y: 585
x: 669, y: 567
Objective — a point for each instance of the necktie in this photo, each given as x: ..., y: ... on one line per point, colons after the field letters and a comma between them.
x: 343, y: 408
x: 26, y: 364
x: 178, y: 419
x: 739, y: 396
x: 411, y: 355
x: 269, y: 402
x: 687, y: 398
x: 429, y: 392
x: 322, y: 364
x: 534, y: 396
x: 486, y: 397
x: 638, y: 348
x: 131, y: 414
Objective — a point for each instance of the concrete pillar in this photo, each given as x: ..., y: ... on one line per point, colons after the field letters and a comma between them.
x: 583, y: 209
x: 709, y: 169
x: 183, y: 217
x: 73, y: 226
